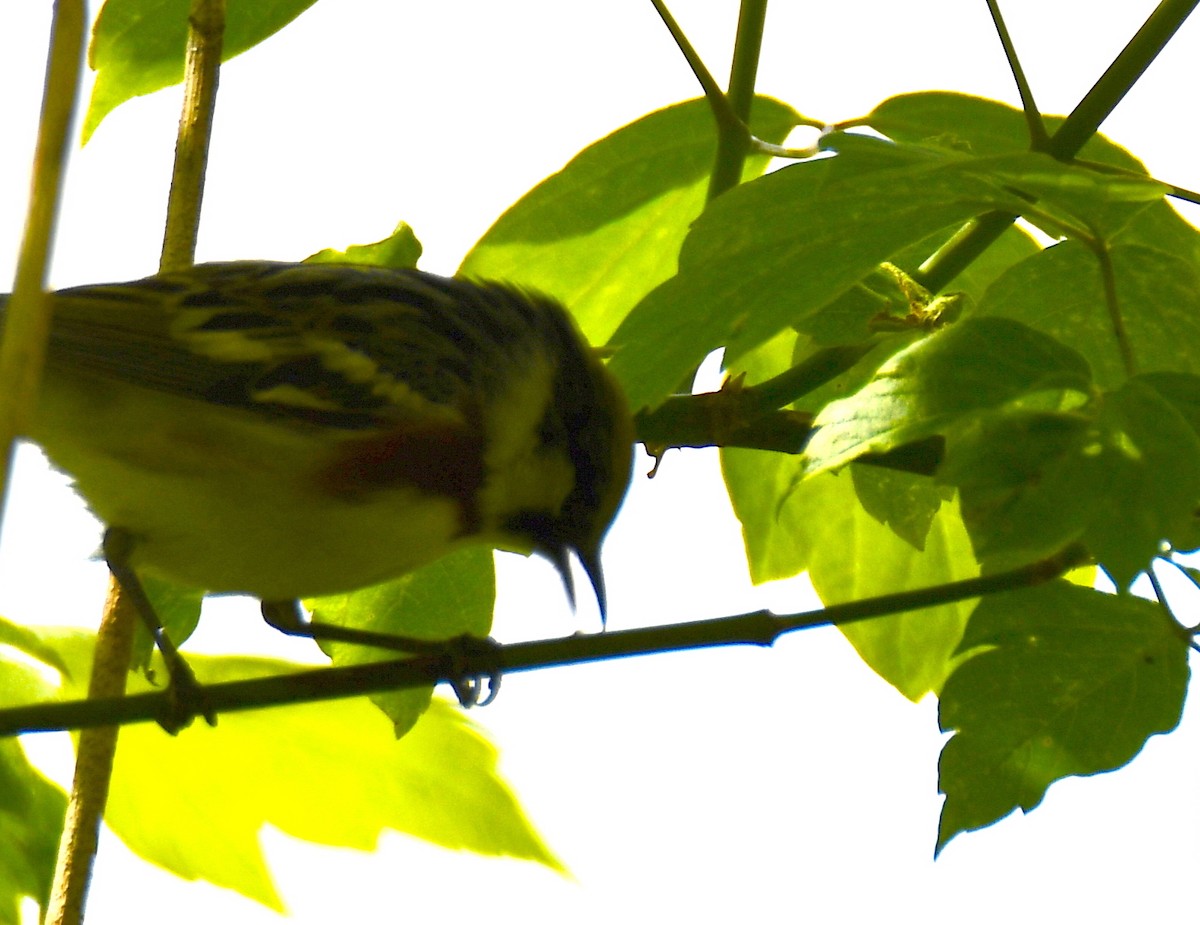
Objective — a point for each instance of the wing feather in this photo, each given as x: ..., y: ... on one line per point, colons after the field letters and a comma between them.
x: 353, y: 347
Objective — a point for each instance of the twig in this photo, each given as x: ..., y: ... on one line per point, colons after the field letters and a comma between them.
x: 748, y: 417
x: 1112, y: 303
x: 1159, y: 594
x: 27, y: 316
x: 729, y: 124
x: 27, y: 331
x: 976, y: 236
x: 1187, y: 195
x: 202, y: 67
x: 114, y: 639
x: 758, y: 628
x: 733, y: 140
x: 717, y: 101
x: 1038, y: 139
x: 93, y: 766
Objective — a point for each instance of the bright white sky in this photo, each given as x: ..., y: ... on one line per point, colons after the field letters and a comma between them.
x: 786, y: 784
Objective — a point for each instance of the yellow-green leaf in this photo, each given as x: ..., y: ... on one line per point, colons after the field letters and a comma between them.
x: 137, y: 45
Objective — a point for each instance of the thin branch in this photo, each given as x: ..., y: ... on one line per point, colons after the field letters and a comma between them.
x: 1159, y: 594
x: 202, y: 67
x: 976, y: 236
x: 782, y: 151
x: 93, y: 766
x: 114, y: 640
x: 1038, y: 139
x: 719, y: 419
x: 754, y: 417
x: 717, y: 101
x: 1113, y: 304
x: 733, y: 141
x: 1186, y: 634
x: 1127, y: 68
x: 27, y: 332
x: 747, y: 416
x: 962, y: 249
x: 747, y: 47
x: 815, y: 371
x: 729, y: 124
x: 1187, y: 195
x: 758, y: 628
x: 27, y: 317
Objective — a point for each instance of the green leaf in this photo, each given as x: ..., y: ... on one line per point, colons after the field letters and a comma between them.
x: 1095, y: 201
x: 452, y: 596
x: 902, y: 501
x: 27, y: 641
x: 1122, y: 475
x: 138, y: 45
x: 999, y: 463
x: 1160, y: 227
x: 31, y: 818
x: 962, y: 124
x: 847, y: 319
x: 1071, y: 185
x: 177, y: 608
x: 1146, y: 479
x: 774, y: 511
x: 781, y: 520
x: 31, y: 808
x: 1060, y: 292
x: 1182, y: 390
x: 1069, y: 682
x: 818, y: 524
x: 771, y: 252
x: 970, y: 366
x: 331, y: 773
x: 1013, y: 246
x: 858, y: 557
x: 400, y: 249
x: 606, y: 229
x: 21, y: 683
x: 951, y: 121
x: 842, y: 385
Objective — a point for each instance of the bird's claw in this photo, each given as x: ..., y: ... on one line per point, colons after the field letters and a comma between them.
x: 474, y: 669
x: 186, y: 699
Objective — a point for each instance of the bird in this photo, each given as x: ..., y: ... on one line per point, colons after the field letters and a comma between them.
x: 291, y: 430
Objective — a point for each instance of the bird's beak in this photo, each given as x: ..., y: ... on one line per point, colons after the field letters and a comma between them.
x: 590, y: 560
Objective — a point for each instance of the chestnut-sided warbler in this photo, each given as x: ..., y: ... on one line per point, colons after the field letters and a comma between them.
x: 290, y: 430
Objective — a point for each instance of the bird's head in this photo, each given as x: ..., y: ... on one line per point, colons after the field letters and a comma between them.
x: 596, y: 435
x: 566, y: 437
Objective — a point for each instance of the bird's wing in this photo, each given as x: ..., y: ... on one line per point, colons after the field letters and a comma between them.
x: 352, y: 347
